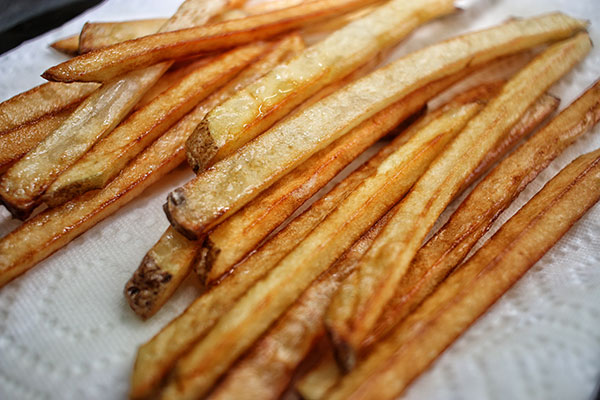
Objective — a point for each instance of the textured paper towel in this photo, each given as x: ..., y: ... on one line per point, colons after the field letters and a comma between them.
x: 67, y: 333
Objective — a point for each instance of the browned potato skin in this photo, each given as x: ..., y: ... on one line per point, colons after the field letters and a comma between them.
x: 42, y: 100
x: 489, y: 199
x: 109, y: 62
x: 476, y: 285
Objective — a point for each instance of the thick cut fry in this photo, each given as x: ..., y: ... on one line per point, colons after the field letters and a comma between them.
x: 269, y: 298
x: 388, y: 259
x: 96, y: 35
x: 476, y: 285
x: 217, y: 193
x: 45, y: 99
x: 488, y: 200
x: 104, y: 161
x: 17, y: 142
x: 104, y: 64
x: 156, y: 357
x: 68, y: 45
x: 27, y: 179
x: 173, y: 254
x: 267, y: 369
x: 253, y: 110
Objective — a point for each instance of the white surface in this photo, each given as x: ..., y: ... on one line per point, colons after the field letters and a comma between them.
x: 67, y: 333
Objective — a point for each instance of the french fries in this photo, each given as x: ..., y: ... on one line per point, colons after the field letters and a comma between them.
x: 17, y: 142
x: 40, y: 101
x: 217, y: 193
x: 173, y: 255
x: 476, y: 285
x: 262, y: 371
x: 99, y: 165
x: 105, y: 64
x: 23, y: 184
x: 96, y: 35
x: 68, y: 45
x: 473, y: 218
x: 388, y: 259
x: 253, y: 110
x: 262, y: 304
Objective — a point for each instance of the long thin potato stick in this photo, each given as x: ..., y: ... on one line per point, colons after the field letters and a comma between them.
x: 320, y: 378
x: 45, y: 99
x: 388, y: 259
x: 256, y: 108
x: 173, y: 254
x: 96, y: 35
x: 23, y: 184
x: 462, y: 298
x: 231, y: 183
x: 489, y: 199
x: 104, y: 64
x: 104, y: 161
x: 68, y: 45
x: 269, y: 298
x: 156, y: 357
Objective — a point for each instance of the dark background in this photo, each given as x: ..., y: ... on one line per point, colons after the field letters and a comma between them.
x: 21, y: 20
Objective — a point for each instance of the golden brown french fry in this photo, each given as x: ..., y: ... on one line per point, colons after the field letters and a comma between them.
x: 96, y: 35
x: 23, y: 184
x: 267, y: 369
x: 476, y: 285
x: 17, y: 142
x: 104, y: 64
x: 262, y: 304
x: 156, y: 357
x: 336, y: 23
x: 44, y: 99
x: 68, y: 45
x: 173, y: 255
x: 475, y: 215
x: 388, y: 259
x: 256, y: 108
x: 217, y: 193
x: 104, y: 161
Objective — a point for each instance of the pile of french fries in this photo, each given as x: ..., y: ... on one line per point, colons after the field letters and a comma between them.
x: 342, y: 298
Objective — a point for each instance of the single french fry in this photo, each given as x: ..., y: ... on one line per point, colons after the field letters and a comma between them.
x: 489, y: 199
x: 23, y: 184
x: 262, y: 304
x: 388, y: 259
x: 320, y: 378
x: 173, y: 255
x: 68, y: 45
x: 156, y: 357
x: 256, y: 108
x: 96, y: 35
x: 17, y: 142
x: 42, y: 100
x: 104, y: 161
x: 217, y: 193
x: 104, y: 64
x: 475, y: 285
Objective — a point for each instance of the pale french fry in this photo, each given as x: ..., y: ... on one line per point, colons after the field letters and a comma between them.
x: 17, y: 142
x: 25, y: 181
x: 267, y: 369
x: 319, y: 379
x: 173, y: 255
x: 96, y: 35
x: 68, y: 45
x: 338, y: 22
x: 476, y: 214
x: 44, y: 99
x: 156, y: 357
x: 231, y: 183
x: 104, y: 64
x: 388, y: 259
x: 104, y: 161
x: 256, y: 108
x: 475, y: 285
x: 263, y: 303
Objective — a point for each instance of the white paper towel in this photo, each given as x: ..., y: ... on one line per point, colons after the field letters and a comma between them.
x: 66, y: 331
